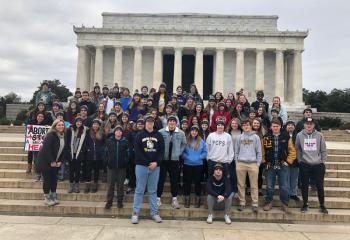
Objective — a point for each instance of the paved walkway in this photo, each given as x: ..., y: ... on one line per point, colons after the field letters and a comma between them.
x: 64, y: 228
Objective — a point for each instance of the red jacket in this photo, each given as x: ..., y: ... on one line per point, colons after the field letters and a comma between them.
x: 224, y: 115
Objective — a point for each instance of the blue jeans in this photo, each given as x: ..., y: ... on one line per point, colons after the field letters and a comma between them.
x: 294, y: 175
x: 283, y: 181
x: 145, y: 176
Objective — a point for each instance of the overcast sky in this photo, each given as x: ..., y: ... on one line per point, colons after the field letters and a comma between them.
x: 37, y: 40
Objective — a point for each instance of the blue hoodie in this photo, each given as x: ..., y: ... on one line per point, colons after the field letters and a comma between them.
x: 194, y: 157
x: 124, y: 101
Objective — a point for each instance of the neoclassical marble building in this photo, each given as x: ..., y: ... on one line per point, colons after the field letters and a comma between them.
x: 216, y: 52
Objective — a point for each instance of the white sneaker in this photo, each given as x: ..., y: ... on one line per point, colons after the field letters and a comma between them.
x: 126, y: 182
x: 175, y: 203
x: 210, y: 219
x: 227, y: 219
x: 159, y: 202
x: 134, y: 218
x: 157, y: 218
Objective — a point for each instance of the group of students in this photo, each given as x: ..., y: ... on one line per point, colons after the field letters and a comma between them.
x: 229, y: 144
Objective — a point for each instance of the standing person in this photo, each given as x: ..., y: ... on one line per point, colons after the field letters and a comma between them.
x: 50, y: 157
x: 219, y: 192
x: 307, y: 113
x: 110, y: 124
x: 265, y: 120
x: 187, y: 109
x: 157, y: 121
x: 85, y: 100
x: 193, y: 156
x: 100, y: 113
x: 199, y: 113
x: 161, y: 98
x: 77, y: 147
x: 260, y: 101
x: 144, y: 92
x: 95, y: 152
x: 72, y: 111
x: 175, y: 143
x: 169, y: 111
x: 194, y: 93
x: 279, y: 153
x: 282, y: 110
x: 125, y: 99
x: 235, y: 131
x: 44, y: 95
x: 219, y: 148
x: 135, y: 108
x: 181, y: 99
x: 311, y: 155
x: 117, y: 149
x: 149, y: 151
x: 204, y: 133
x: 110, y: 100
x: 211, y: 108
x: 293, y: 168
x: 222, y: 114
x: 248, y: 157
x: 83, y: 114
x: 242, y: 99
x: 95, y: 95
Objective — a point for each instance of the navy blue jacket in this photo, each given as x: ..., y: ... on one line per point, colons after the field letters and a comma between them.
x: 117, y: 153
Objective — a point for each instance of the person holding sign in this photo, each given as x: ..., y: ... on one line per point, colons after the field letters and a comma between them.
x: 50, y: 158
x: 311, y: 154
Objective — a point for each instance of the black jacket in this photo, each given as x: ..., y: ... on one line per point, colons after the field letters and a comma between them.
x: 117, y: 153
x: 90, y: 105
x: 49, y: 151
x: 149, y: 147
x: 156, y: 97
x: 257, y: 104
x: 95, y: 149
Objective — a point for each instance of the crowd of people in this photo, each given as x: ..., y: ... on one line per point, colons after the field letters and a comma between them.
x: 228, y: 145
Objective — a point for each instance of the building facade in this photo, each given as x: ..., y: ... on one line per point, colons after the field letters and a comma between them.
x: 222, y: 53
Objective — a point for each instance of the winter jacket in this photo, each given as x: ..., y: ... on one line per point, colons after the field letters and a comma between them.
x: 82, y: 146
x: 179, y: 143
x: 194, y: 157
x: 149, y: 147
x: 95, y: 148
x: 117, y: 153
x: 90, y: 105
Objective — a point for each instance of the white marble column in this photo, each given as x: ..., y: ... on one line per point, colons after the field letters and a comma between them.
x: 92, y: 72
x: 157, y: 67
x: 260, y: 71
x: 137, y: 68
x: 83, y: 75
x: 177, y: 69
x: 279, y: 74
x: 219, y: 71
x: 99, y: 66
x: 198, y: 75
x: 118, y: 65
x: 239, y: 69
x: 297, y: 77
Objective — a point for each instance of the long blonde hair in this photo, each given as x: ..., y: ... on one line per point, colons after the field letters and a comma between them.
x: 197, y: 141
x: 54, y: 124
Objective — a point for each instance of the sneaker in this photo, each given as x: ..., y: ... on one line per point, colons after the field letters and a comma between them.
x: 159, y: 202
x: 240, y: 208
x: 47, y: 200
x: 235, y: 195
x: 210, y: 219
x: 54, y: 198
x: 305, y: 208
x: 227, y: 219
x: 267, y: 207
x: 295, y: 198
x: 255, y: 209
x: 157, y: 218
x: 175, y: 203
x: 285, y: 208
x: 126, y: 182
x: 323, y: 210
x: 134, y: 218
x: 108, y: 205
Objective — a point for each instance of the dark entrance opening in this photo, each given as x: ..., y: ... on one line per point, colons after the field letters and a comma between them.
x: 208, y: 70
x: 168, y: 71
x: 188, y: 62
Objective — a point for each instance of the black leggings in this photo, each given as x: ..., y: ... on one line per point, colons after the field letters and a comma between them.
x: 317, y: 173
x: 93, y: 166
x: 192, y: 174
x: 74, y: 171
x: 174, y: 170
x: 50, y: 180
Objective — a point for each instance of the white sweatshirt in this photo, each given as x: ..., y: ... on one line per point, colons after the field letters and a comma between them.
x: 220, y: 147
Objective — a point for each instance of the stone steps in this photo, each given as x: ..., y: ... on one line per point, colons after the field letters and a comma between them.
x: 12, y: 150
x: 100, y: 196
x: 77, y: 208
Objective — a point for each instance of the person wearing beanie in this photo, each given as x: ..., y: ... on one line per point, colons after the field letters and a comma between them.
x: 187, y: 109
x: 77, y: 95
x: 219, y: 147
x: 116, y: 160
x: 220, y: 113
x: 95, y: 95
x: 184, y: 126
x: 219, y: 193
x: 306, y: 114
x: 248, y: 157
x: 193, y: 155
x: 275, y: 115
x: 85, y: 101
x: 125, y: 99
x: 76, y: 152
x: 199, y: 113
x: 44, y: 95
x: 118, y: 110
x: 149, y: 151
x: 174, y: 142
x: 169, y: 111
x: 109, y: 125
x: 83, y: 114
x: 311, y: 155
x: 173, y: 102
x: 157, y: 121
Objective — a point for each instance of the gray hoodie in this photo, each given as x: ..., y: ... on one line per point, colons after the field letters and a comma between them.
x: 311, y: 148
x: 248, y: 148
